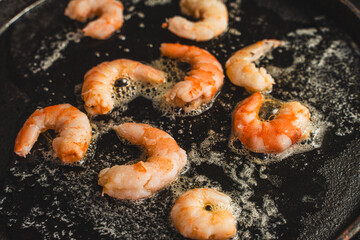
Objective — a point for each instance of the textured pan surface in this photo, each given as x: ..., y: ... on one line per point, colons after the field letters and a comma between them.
x: 312, y: 195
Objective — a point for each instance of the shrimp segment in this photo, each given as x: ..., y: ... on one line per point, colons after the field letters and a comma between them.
x: 201, y: 83
x: 273, y: 136
x: 99, y: 81
x: 242, y: 71
x: 204, y: 214
x: 72, y: 126
x: 213, y: 15
x: 143, y: 179
x: 110, y: 12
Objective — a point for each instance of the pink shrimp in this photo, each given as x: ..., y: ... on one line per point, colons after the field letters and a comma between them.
x: 204, y: 214
x: 143, y: 179
x: 213, y: 15
x: 242, y: 71
x: 110, y: 12
x: 201, y: 83
x: 274, y: 136
x: 72, y: 126
x: 99, y: 82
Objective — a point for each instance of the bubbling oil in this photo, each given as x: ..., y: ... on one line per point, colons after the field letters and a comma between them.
x: 176, y: 72
x: 126, y: 90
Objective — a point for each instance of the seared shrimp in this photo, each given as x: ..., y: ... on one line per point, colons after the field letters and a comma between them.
x: 213, y: 15
x: 274, y: 136
x: 110, y: 12
x: 143, y: 179
x: 204, y: 214
x: 201, y: 83
x: 72, y: 126
x: 99, y: 81
x: 242, y: 71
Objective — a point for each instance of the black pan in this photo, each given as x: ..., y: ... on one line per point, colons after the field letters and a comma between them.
x: 309, y: 195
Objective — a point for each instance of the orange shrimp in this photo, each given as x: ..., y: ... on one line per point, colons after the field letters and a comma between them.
x: 99, y: 82
x: 201, y: 83
x: 204, y: 214
x: 72, y: 126
x: 242, y: 71
x: 110, y: 12
x: 143, y: 179
x: 274, y: 136
x: 213, y: 15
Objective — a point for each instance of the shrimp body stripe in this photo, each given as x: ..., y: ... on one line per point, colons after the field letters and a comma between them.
x: 213, y: 15
x: 143, y: 179
x: 272, y: 136
x: 191, y: 218
x: 243, y: 72
x: 110, y: 12
x: 99, y: 81
x: 73, y: 128
x: 201, y: 83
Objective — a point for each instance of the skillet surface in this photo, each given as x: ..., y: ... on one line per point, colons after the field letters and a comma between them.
x: 310, y: 195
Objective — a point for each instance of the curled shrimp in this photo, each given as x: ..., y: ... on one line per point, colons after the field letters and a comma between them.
x: 110, y: 12
x: 274, y: 136
x: 201, y: 83
x: 99, y: 81
x: 242, y: 71
x: 204, y: 214
x: 143, y: 179
x: 72, y: 126
x: 213, y: 15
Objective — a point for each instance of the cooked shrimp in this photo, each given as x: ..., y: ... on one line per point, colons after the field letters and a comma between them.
x: 110, y: 12
x: 99, y: 81
x: 213, y: 15
x: 204, y: 214
x: 143, y: 179
x: 274, y: 136
x: 72, y: 126
x: 201, y: 83
x: 242, y: 71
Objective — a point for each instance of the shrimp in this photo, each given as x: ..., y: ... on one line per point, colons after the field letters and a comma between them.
x: 274, y: 136
x: 242, y: 71
x: 143, y: 179
x: 213, y: 15
x: 201, y: 83
x: 204, y: 214
x: 73, y: 128
x: 110, y: 12
x: 99, y: 82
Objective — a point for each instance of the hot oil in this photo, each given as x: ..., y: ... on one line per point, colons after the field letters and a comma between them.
x: 58, y: 45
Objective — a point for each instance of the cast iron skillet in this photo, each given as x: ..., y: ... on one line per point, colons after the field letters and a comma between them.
x: 310, y: 195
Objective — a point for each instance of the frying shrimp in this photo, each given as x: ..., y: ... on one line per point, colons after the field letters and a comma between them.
x: 274, y: 136
x: 143, y: 179
x: 242, y: 71
x: 110, y: 12
x: 72, y: 126
x: 201, y: 83
x: 213, y: 15
x: 204, y: 214
x: 99, y: 82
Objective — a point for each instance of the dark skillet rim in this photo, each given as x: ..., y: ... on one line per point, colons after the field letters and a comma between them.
x: 346, y: 13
